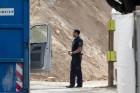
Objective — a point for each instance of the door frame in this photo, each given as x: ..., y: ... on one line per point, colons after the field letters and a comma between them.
x: 48, y: 50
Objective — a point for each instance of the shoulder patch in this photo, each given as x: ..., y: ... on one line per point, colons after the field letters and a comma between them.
x: 80, y: 43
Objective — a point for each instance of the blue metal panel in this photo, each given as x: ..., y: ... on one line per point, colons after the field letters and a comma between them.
x: 26, y: 44
x: 14, y: 44
x: 18, y: 7
x: 16, y: 60
x: 11, y: 26
x: 7, y: 77
x: 14, y: 92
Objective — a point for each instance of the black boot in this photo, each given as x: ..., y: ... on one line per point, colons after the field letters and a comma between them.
x: 78, y: 86
x: 70, y: 86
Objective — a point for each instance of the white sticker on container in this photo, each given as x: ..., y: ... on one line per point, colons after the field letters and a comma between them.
x: 6, y: 11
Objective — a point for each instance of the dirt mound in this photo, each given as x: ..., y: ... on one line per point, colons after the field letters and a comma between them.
x: 91, y: 17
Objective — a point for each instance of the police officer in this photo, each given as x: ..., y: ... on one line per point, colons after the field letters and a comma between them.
x: 76, y: 54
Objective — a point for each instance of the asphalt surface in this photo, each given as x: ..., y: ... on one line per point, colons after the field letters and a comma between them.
x: 59, y: 87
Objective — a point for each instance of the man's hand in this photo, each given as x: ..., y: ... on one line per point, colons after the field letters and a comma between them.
x: 70, y: 53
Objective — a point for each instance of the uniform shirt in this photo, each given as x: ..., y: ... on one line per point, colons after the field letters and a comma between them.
x: 78, y: 42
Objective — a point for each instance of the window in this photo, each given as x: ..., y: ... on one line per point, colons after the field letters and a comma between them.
x: 39, y: 34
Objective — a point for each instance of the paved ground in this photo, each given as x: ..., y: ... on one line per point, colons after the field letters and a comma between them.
x: 59, y: 87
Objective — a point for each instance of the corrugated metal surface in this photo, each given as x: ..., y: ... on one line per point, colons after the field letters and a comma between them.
x: 14, y: 46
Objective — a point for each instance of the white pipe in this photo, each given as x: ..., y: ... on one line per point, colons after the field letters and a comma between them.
x: 126, y: 79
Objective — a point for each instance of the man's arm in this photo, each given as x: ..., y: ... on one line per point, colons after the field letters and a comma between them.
x: 77, y: 50
x: 80, y: 45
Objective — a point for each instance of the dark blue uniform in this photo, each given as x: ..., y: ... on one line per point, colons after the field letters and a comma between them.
x: 76, y: 63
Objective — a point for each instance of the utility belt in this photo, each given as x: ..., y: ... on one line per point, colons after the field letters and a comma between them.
x: 78, y: 54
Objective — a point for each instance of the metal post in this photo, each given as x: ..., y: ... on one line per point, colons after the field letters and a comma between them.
x: 110, y: 63
x: 138, y: 48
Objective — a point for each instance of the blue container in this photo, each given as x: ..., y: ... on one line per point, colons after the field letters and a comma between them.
x: 14, y: 46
